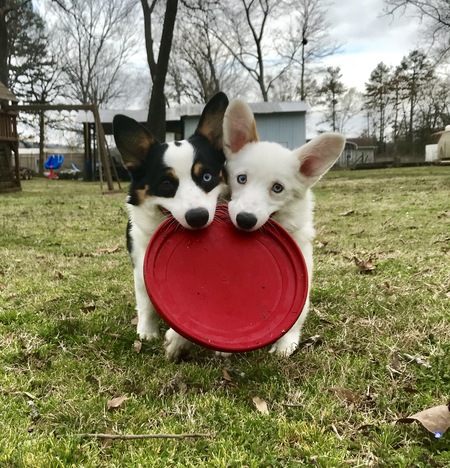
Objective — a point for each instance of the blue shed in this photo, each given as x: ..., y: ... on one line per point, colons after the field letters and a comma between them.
x: 281, y: 122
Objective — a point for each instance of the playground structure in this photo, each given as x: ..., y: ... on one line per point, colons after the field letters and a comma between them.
x: 105, y: 163
x: 9, y: 143
x: 53, y: 162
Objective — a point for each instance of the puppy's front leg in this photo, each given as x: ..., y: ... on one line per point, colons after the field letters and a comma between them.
x: 175, y: 345
x: 147, y: 327
x: 288, y: 343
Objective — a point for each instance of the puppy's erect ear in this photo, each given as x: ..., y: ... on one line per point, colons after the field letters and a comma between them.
x: 211, y: 121
x: 239, y: 127
x: 132, y: 139
x: 318, y: 155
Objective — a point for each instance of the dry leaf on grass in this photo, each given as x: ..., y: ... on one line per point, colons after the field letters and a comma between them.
x: 226, y: 376
x: 116, y: 402
x: 347, y: 213
x: 364, y: 266
x: 137, y: 346
x: 345, y: 394
x: 260, y: 405
x: 134, y: 321
x: 88, y: 306
x: 435, y: 419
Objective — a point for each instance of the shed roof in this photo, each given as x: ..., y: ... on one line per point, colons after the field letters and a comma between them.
x: 193, y: 110
x: 6, y: 94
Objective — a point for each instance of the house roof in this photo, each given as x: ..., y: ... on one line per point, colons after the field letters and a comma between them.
x: 6, y: 94
x: 193, y: 110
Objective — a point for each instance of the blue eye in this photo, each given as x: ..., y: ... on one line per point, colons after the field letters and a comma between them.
x: 207, y: 177
x: 277, y: 188
x: 242, y: 179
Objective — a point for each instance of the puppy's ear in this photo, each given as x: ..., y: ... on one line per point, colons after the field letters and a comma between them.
x: 211, y: 121
x: 318, y: 155
x: 132, y: 140
x: 239, y: 127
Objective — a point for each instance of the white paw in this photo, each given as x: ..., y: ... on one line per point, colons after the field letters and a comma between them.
x: 285, y: 346
x: 175, y: 345
x: 222, y: 354
x: 147, y: 331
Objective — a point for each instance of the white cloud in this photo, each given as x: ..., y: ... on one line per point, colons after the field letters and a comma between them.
x: 369, y: 37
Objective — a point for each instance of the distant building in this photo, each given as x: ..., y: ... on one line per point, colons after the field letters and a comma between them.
x: 357, y: 151
x: 439, y: 150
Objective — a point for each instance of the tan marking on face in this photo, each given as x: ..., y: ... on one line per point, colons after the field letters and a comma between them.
x: 198, y: 169
x: 142, y: 193
x: 171, y: 173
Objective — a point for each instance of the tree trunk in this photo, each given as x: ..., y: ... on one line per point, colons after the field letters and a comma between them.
x: 156, y: 119
x: 3, y: 45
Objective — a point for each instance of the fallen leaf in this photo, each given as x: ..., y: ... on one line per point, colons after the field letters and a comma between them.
x: 347, y: 213
x: 88, y: 306
x: 137, y: 346
x: 107, y: 442
x: 321, y: 245
x: 260, y: 405
x: 435, y: 419
x: 226, y: 376
x: 134, y: 321
x: 116, y: 402
x: 364, y: 266
x: 345, y: 394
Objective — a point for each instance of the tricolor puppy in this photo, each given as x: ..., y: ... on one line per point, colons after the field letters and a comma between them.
x: 182, y: 177
x: 269, y: 181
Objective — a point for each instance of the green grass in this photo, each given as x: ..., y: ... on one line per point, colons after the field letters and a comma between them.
x: 66, y: 339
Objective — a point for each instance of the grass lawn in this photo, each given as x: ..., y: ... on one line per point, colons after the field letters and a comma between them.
x: 380, y: 348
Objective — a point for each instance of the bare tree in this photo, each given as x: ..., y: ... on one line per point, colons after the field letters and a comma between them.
x: 158, y: 62
x: 349, y: 106
x: 435, y: 16
x: 309, y: 39
x: 200, y: 65
x: 98, y: 43
x: 245, y: 31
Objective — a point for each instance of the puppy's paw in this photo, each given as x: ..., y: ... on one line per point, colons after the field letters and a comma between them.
x: 176, y: 346
x: 222, y: 354
x: 147, y: 331
x: 285, y: 346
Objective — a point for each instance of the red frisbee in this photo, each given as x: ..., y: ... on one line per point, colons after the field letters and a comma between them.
x: 223, y: 288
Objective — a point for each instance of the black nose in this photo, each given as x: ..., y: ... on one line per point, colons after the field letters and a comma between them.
x: 246, y: 220
x: 197, y: 217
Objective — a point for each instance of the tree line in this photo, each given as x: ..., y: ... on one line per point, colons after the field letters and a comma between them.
x: 92, y: 51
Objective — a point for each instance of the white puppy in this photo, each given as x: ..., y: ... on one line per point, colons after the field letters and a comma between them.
x: 269, y: 181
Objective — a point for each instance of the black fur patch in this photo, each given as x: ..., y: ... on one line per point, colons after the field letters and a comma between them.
x: 211, y: 161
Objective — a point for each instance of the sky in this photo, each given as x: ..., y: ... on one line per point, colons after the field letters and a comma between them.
x: 368, y: 38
